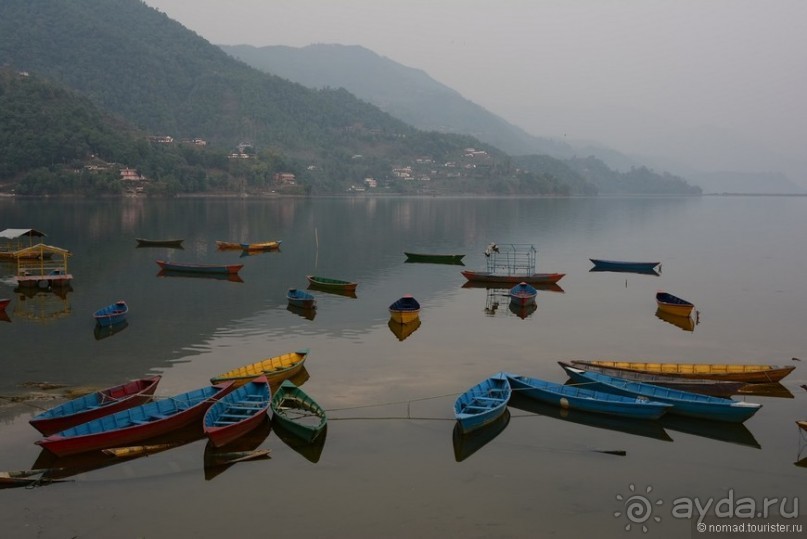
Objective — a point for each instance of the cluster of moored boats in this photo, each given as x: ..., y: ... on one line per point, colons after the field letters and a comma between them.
x: 624, y: 389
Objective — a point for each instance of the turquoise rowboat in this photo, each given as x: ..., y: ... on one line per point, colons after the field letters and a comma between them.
x: 483, y: 403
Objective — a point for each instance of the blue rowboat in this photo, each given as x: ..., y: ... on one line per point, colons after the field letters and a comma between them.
x: 523, y: 294
x: 301, y: 298
x: 136, y: 424
x: 587, y: 400
x: 684, y: 402
x: 112, y: 314
x: 238, y: 412
x: 624, y: 265
x: 482, y: 403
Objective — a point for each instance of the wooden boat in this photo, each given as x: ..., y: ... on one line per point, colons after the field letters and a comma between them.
x: 482, y: 403
x: 708, y: 371
x: 276, y: 369
x: 531, y: 278
x: 142, y: 242
x: 523, y: 294
x: 684, y: 402
x: 94, y: 405
x: 4, y: 303
x: 434, y: 258
x: 112, y: 314
x: 200, y: 268
x: 466, y: 444
x: 624, y: 265
x: 297, y: 412
x: 301, y: 298
x: 673, y: 305
x: 572, y: 397
x: 136, y: 424
x: 716, y: 388
x: 238, y: 412
x: 265, y: 246
x: 404, y: 310
x: 333, y: 284
x: 228, y: 245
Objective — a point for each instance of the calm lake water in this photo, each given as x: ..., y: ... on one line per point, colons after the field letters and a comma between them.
x: 390, y: 465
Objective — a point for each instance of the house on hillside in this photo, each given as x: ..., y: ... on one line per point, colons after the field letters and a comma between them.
x: 285, y: 178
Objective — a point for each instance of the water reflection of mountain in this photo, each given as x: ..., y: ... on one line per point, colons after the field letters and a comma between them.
x: 466, y: 444
x: 735, y: 433
x: 636, y: 427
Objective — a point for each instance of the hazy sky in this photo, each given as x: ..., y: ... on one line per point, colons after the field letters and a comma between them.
x: 715, y: 83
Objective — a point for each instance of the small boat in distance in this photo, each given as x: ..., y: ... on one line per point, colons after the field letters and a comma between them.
x: 238, y: 412
x: 483, y: 403
x: 265, y: 246
x: 672, y: 304
x: 531, y: 278
x: 94, y: 405
x: 200, y: 268
x: 111, y: 314
x: 228, y: 245
x: 334, y: 284
x: 523, y: 294
x: 684, y: 402
x: 737, y: 372
x: 142, y: 242
x: 301, y: 298
x: 404, y: 310
x: 298, y: 413
x: 434, y: 258
x: 624, y: 265
x: 276, y: 369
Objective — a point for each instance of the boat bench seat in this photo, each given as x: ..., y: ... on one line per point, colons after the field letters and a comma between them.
x: 140, y: 421
x: 233, y: 416
x: 487, y: 399
x: 472, y: 408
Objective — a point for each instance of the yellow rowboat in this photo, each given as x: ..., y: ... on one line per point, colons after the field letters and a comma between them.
x: 276, y: 369
x: 737, y: 372
x: 673, y: 305
x: 265, y: 246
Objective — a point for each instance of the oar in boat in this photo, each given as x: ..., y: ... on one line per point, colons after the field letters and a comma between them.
x: 240, y: 456
x: 137, y: 450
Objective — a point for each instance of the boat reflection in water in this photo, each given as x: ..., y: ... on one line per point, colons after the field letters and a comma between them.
x: 734, y: 433
x: 637, y: 427
x: 684, y: 322
x: 311, y: 451
x: 232, y: 277
x: 42, y: 305
x: 523, y: 311
x: 620, y: 270
x: 335, y: 291
x: 466, y: 444
x: 775, y: 389
x: 244, y: 448
x: 104, y: 332
x: 402, y: 331
x: 307, y: 313
x: 496, y: 296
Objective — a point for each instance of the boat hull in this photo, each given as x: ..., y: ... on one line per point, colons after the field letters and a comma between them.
x: 276, y: 369
x: 289, y: 402
x: 586, y: 400
x: 264, y: 246
x: 673, y: 305
x: 226, y: 269
x: 523, y: 294
x: 750, y: 374
x: 405, y: 310
x: 534, y: 278
x: 623, y: 265
x: 112, y: 314
x: 4, y: 303
x: 141, y: 242
x: 483, y: 403
x: 301, y: 299
x: 98, y: 404
x: 135, y: 424
x: 434, y: 258
x: 334, y: 284
x: 684, y: 402
x: 237, y: 413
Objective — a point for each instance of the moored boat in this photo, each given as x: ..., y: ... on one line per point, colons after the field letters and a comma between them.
x: 276, y: 369
x: 434, y: 258
x: 716, y: 388
x: 672, y: 304
x: 263, y: 246
x: 737, y: 372
x: 300, y: 298
x: 4, y: 303
x: 523, y: 294
x: 297, y: 412
x: 143, y: 242
x: 624, y: 265
x: 572, y: 397
x: 405, y: 309
x: 200, y: 268
x: 238, y: 412
x: 136, y: 424
x: 228, y: 245
x: 531, y: 278
x: 684, y: 402
x: 111, y: 314
x: 482, y: 403
x: 94, y: 405
x: 334, y: 284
